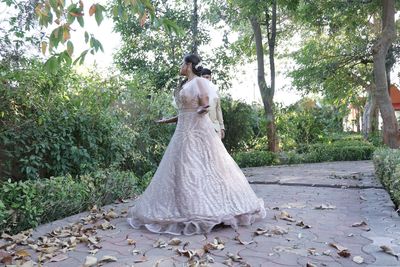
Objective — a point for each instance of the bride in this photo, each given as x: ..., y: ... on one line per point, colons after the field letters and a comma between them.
x: 197, y: 184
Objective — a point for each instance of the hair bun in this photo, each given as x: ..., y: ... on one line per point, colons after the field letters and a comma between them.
x: 199, y: 68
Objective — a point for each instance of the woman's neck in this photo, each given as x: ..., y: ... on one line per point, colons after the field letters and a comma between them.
x: 191, y: 76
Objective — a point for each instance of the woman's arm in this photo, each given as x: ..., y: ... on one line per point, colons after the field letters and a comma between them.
x: 203, y: 96
x: 170, y: 120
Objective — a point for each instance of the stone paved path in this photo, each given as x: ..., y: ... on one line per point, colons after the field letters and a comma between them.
x: 328, y: 197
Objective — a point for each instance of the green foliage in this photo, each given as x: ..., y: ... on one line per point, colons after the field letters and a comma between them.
x: 154, y: 55
x: 306, y: 122
x: 339, y: 150
x: 54, y: 125
x: 345, y: 150
x: 255, y: 158
x: 141, y: 107
x: 387, y: 169
x: 25, y: 204
x: 242, y: 123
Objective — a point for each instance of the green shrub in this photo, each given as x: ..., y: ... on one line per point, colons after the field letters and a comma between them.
x: 255, y: 158
x: 387, y: 169
x: 290, y: 157
x: 306, y: 122
x: 3, y: 213
x: 242, y: 123
x: 27, y: 204
x: 342, y: 150
x: 338, y: 151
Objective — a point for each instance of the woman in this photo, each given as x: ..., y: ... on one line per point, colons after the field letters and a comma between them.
x: 197, y: 184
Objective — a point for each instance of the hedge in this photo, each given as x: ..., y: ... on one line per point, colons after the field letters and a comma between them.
x: 344, y: 150
x: 255, y: 158
x: 347, y: 150
x: 26, y: 204
x: 387, y: 169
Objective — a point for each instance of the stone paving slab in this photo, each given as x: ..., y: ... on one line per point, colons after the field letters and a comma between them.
x: 298, y: 247
x: 335, y: 174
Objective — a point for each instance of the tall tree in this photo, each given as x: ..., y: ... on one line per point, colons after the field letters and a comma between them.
x: 342, y: 65
x: 153, y: 56
x: 267, y: 93
x: 260, y: 25
x: 195, y: 28
x: 380, y: 50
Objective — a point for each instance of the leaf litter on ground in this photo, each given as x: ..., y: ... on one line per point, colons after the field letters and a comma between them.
x: 54, y: 245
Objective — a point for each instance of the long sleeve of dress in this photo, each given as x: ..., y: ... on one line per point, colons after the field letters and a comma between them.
x: 219, y: 115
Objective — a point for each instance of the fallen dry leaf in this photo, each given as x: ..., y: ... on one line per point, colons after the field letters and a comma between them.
x: 209, y: 259
x: 160, y: 243
x: 93, y: 251
x: 131, y: 242
x: 325, y: 207
x: 111, y: 215
x: 234, y: 257
x: 344, y: 253
x: 237, y: 238
x: 11, y: 247
x: 261, y: 231
x: 277, y: 230
x: 5, y: 258
x: 187, y: 253
x: 22, y: 253
x: 94, y: 209
x: 312, y: 251
x: 228, y: 262
x: 108, y: 259
x: 174, y: 242
x: 303, y: 225
x: 59, y: 258
x: 106, y: 226
x: 361, y: 224
x: 389, y: 250
x: 358, y: 259
x: 338, y: 247
x: 310, y: 264
x: 286, y: 216
x: 142, y: 259
x: 326, y: 252
x: 90, y: 261
x: 121, y: 200
x: 358, y: 224
x: 217, y: 244
x: 136, y: 252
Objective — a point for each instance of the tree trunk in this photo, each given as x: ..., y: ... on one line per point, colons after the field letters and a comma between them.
x: 370, y: 115
x: 271, y: 35
x: 379, y: 50
x: 265, y: 91
x: 195, y: 28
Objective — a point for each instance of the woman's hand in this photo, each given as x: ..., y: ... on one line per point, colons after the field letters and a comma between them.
x: 203, y: 109
x: 161, y: 121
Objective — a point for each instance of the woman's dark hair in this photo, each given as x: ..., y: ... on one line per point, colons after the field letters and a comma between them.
x: 195, y: 60
x: 206, y: 71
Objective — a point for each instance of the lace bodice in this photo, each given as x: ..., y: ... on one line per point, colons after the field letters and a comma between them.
x: 189, y: 97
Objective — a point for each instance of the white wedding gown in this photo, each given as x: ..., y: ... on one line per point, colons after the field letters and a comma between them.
x: 197, y: 184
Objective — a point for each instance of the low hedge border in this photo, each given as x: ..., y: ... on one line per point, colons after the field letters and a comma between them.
x: 26, y: 204
x: 337, y: 151
x: 387, y: 169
